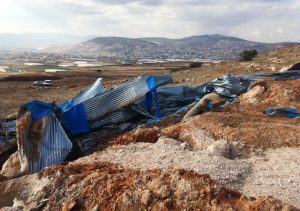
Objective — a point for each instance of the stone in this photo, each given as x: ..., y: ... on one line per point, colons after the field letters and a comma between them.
x: 167, y: 141
x: 184, y: 146
x: 12, y: 167
x: 219, y: 148
x: 185, y: 190
x: 127, y: 199
x: 146, y: 197
x: 163, y: 192
x: 197, y: 138
x: 254, y: 95
x: 96, y: 208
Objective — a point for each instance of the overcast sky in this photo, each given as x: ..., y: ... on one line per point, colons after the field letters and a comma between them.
x: 258, y: 20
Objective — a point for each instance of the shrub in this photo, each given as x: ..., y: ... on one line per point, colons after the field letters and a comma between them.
x: 248, y: 55
x: 176, y: 69
x: 195, y: 64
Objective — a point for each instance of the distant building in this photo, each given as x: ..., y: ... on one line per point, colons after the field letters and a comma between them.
x: 33, y: 64
x: 128, y: 62
x: 54, y: 70
x: 67, y: 65
x: 4, y: 69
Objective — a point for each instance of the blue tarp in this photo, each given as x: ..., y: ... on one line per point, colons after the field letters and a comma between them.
x: 74, y: 120
x: 73, y: 113
x: 39, y: 109
x: 282, y: 111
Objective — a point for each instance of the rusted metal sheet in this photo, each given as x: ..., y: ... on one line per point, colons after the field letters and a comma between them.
x: 41, y: 143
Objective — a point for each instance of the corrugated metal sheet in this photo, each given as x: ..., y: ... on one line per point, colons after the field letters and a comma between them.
x: 91, y: 91
x: 116, y: 117
x: 44, y: 142
x: 172, y: 98
x: 53, y: 147
x: 119, y: 97
x: 9, y: 126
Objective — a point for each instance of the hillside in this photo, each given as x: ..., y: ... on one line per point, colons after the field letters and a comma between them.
x: 201, y: 47
x: 273, y: 61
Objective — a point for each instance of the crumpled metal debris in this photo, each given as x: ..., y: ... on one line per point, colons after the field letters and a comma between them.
x: 42, y: 128
x: 45, y: 131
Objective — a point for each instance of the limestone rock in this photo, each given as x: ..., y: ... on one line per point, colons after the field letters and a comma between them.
x: 219, y: 148
x: 254, y: 95
x: 196, y: 137
x: 167, y: 141
x: 146, y: 197
x: 12, y: 167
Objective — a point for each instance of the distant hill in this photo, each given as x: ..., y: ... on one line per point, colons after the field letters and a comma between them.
x: 202, y: 47
x: 33, y: 41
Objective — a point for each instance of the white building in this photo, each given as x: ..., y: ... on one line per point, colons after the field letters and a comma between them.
x: 54, y: 70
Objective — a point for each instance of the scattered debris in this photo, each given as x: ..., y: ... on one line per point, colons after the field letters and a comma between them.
x: 226, y: 147
x: 285, y: 111
x: 295, y: 67
x: 45, y: 124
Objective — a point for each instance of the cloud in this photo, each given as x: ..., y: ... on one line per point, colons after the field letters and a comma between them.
x: 259, y: 20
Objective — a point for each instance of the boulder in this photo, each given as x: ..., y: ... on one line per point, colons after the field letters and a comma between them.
x: 167, y: 141
x: 12, y: 167
x: 219, y: 148
x: 197, y: 138
x: 254, y: 95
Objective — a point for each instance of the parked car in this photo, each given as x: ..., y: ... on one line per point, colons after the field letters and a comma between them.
x: 38, y: 83
x: 43, y: 83
x: 47, y: 83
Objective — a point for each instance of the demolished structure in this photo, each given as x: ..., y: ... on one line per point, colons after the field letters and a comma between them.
x: 47, y: 133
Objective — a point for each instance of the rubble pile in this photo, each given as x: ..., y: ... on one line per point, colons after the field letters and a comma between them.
x: 160, y: 148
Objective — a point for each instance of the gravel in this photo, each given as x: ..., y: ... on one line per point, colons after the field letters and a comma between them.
x: 231, y: 173
x: 275, y: 173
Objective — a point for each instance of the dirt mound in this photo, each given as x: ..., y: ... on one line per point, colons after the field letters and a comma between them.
x: 103, y: 186
x: 276, y: 94
x: 149, y: 135
x: 251, y: 131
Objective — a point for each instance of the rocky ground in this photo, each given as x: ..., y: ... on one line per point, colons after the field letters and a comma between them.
x: 233, y: 158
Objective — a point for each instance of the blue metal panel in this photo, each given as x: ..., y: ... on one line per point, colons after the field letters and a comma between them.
x: 119, y: 97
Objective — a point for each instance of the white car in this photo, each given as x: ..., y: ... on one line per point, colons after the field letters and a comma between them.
x: 47, y: 83
x: 38, y: 83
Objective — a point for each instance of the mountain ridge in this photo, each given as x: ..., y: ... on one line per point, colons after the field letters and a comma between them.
x: 200, y: 46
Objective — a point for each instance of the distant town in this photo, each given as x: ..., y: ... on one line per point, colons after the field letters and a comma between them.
x: 11, y: 61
